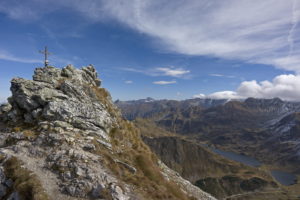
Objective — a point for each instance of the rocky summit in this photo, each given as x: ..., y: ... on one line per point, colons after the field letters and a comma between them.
x: 63, y: 138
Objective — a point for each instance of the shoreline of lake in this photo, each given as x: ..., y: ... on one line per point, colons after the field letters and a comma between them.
x: 284, y: 178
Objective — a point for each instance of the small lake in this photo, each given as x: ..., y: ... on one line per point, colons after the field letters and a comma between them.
x: 238, y: 157
x: 282, y: 177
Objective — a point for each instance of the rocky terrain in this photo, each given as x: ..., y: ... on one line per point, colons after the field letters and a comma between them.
x: 266, y: 129
x: 63, y: 138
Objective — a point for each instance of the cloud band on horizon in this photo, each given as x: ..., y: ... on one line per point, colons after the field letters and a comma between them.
x: 286, y: 87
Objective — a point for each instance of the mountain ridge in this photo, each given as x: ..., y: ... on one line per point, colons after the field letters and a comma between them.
x: 63, y: 138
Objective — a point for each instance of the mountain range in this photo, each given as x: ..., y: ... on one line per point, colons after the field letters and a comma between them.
x: 265, y: 129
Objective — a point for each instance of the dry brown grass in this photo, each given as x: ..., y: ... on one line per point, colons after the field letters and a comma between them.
x: 104, y: 97
x: 27, y: 184
x: 148, y: 179
x: 150, y: 129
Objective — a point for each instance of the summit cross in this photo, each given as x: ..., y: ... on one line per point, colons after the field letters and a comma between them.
x: 46, y: 53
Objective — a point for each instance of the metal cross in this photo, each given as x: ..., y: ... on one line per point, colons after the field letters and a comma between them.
x: 46, y: 53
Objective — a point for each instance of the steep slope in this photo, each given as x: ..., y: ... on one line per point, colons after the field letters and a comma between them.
x: 62, y: 138
x: 212, y: 173
x: 284, y: 142
x: 191, y: 160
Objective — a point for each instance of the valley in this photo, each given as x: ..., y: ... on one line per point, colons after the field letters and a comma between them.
x: 252, y: 142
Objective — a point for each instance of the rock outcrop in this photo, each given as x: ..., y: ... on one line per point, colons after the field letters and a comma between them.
x: 61, y: 137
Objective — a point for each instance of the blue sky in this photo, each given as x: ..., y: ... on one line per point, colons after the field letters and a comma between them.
x: 161, y: 49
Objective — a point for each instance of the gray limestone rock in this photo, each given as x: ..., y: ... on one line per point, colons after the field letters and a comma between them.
x: 5, y: 107
x: 55, y: 94
x: 48, y: 74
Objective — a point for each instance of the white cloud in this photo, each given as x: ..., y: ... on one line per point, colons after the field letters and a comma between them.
x: 286, y: 87
x: 222, y: 75
x: 217, y: 75
x: 224, y: 95
x: 255, y: 31
x: 201, y: 96
x: 164, y: 82
x: 10, y: 57
x: 160, y: 71
x: 128, y: 82
x: 172, y: 71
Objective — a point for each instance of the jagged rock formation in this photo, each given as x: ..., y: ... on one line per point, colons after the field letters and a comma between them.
x: 62, y: 138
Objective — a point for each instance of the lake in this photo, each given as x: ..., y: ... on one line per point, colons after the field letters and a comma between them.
x: 238, y: 157
x: 282, y: 177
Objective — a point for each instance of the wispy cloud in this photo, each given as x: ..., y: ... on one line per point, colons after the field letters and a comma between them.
x: 164, y: 82
x: 217, y: 75
x: 28, y: 11
x: 5, y: 55
x: 264, y: 32
x: 210, y: 27
x: 10, y: 57
x: 128, y: 82
x: 295, y: 20
x: 130, y: 69
x: 222, y: 75
x: 172, y: 71
x: 160, y: 71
